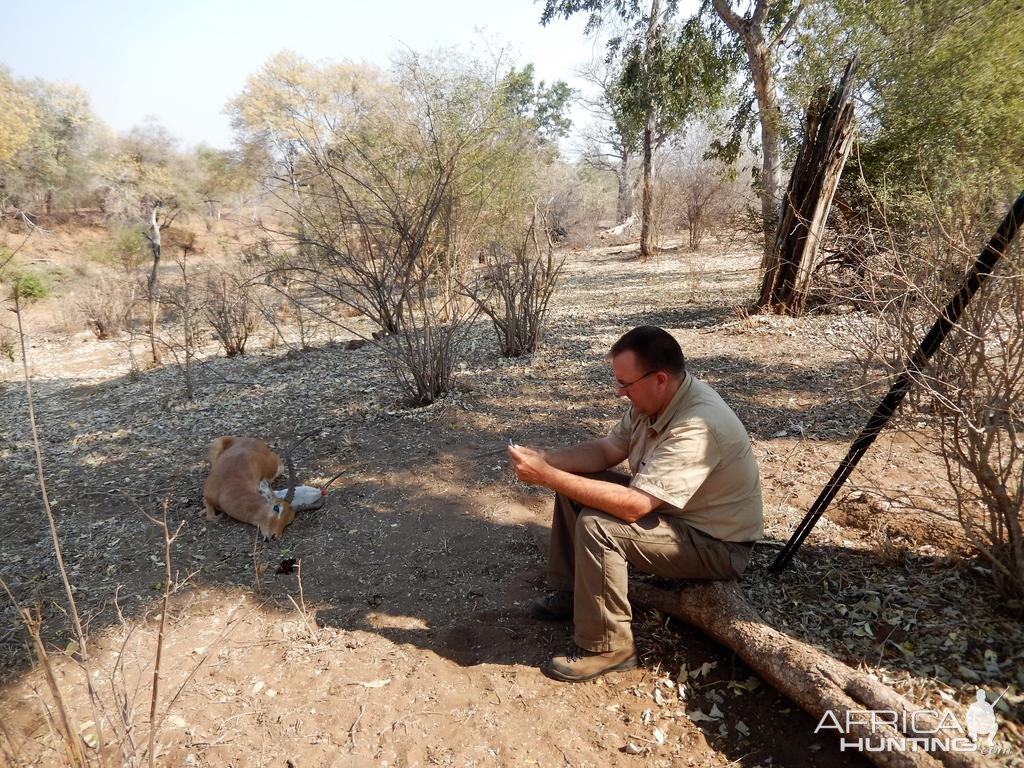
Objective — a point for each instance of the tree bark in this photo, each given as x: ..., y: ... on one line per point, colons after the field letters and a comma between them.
x: 815, y: 681
x: 624, y: 197
x: 761, y: 59
x: 770, y: 117
x: 151, y: 284
x: 828, y: 135
x: 647, y: 207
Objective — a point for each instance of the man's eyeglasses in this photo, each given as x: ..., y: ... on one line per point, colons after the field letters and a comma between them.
x: 624, y: 387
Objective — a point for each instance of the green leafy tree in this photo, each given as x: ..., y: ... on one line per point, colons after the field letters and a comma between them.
x: 56, y: 161
x: 221, y: 175
x: 542, y: 106
x: 670, y: 73
x: 941, y: 133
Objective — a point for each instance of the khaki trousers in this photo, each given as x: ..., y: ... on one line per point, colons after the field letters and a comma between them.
x: 590, y: 551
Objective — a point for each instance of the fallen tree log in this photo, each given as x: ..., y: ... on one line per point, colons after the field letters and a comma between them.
x: 815, y: 681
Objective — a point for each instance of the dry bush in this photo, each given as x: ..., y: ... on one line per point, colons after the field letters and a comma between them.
x: 697, y: 194
x: 184, y: 329
x: 8, y: 345
x: 514, y: 291
x: 977, y: 382
x: 108, y: 306
x: 578, y: 199
x: 387, y: 199
x: 972, y: 393
x: 230, y: 308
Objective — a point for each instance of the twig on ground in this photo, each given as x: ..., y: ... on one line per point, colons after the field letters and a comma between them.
x: 352, y: 728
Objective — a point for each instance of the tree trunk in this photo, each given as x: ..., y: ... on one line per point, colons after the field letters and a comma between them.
x: 647, y: 208
x: 151, y: 285
x: 624, y: 197
x: 815, y: 681
x: 750, y: 30
x: 770, y: 117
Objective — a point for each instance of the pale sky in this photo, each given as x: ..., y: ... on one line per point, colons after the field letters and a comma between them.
x: 182, y: 60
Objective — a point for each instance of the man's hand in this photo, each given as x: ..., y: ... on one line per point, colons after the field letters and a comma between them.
x: 529, y: 465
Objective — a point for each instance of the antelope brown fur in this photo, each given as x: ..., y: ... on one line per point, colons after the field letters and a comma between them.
x: 238, y: 465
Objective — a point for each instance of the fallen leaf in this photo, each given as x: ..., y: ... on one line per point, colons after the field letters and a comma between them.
x: 705, y: 668
x: 376, y: 683
x: 659, y: 735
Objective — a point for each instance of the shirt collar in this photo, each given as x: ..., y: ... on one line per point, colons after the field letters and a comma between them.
x: 669, y: 412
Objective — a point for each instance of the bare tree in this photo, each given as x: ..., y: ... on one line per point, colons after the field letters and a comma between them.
x: 185, y: 337
x: 695, y: 191
x: 978, y: 387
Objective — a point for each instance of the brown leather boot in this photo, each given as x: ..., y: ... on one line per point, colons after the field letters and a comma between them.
x: 554, y: 607
x: 579, y: 664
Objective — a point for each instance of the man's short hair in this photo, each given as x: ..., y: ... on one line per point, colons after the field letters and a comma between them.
x: 654, y: 347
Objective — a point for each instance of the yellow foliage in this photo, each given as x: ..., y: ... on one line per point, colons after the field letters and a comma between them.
x: 18, y: 119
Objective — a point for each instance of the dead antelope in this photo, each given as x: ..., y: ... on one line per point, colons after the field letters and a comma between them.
x: 238, y: 485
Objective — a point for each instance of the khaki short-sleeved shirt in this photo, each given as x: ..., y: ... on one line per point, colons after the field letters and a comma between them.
x: 696, y: 457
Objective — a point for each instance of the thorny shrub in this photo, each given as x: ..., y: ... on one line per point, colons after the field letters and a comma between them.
x: 972, y: 394
x: 107, y: 306
x: 514, y: 291
x: 231, y: 310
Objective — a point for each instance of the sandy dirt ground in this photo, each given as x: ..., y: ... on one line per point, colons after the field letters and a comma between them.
x: 400, y: 639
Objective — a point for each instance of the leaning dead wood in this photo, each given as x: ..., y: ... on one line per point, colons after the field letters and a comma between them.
x: 828, y: 134
x: 812, y: 679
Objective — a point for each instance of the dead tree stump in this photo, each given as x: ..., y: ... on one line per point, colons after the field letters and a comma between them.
x: 828, y: 134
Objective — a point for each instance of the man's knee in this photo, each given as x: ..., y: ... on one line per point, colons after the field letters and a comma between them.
x: 591, y: 524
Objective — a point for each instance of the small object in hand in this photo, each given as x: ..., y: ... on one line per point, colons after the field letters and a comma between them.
x: 286, y: 567
x: 511, y: 443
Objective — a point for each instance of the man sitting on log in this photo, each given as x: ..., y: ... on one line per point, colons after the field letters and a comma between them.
x: 691, y: 508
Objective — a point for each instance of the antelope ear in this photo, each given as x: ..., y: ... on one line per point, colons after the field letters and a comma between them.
x: 265, y: 491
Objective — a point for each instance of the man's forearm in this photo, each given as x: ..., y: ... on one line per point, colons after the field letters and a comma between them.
x: 621, y: 501
x: 579, y: 459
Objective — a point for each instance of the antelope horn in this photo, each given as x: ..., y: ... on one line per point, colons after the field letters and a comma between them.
x: 300, y: 439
